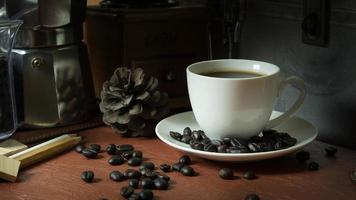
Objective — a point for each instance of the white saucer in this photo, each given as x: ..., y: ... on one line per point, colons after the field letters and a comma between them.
x: 298, y: 128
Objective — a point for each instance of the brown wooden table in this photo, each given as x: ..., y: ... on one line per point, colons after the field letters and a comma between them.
x: 282, y: 178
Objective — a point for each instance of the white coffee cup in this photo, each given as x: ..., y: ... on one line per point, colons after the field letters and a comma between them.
x: 238, y: 107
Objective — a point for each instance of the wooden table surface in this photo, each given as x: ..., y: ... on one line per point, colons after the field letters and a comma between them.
x: 278, y: 179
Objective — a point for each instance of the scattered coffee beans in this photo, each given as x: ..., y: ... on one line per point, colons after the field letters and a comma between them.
x: 187, y: 171
x: 165, y: 167
x: 127, y: 191
x: 133, y: 183
x: 79, y: 148
x: 313, y: 166
x: 147, y: 165
x: 330, y: 151
x: 87, y: 176
x: 146, y: 183
x: 269, y: 140
x: 116, y: 160
x: 164, y: 176
x: 302, y: 156
x: 226, y: 173
x: 252, y: 197
x: 89, y: 153
x: 353, y: 176
x: 134, y: 161
x: 116, y: 176
x: 250, y: 175
x: 185, y: 160
x: 177, y: 167
x: 111, y: 149
x: 160, y: 184
x: 146, y: 195
x: 95, y: 147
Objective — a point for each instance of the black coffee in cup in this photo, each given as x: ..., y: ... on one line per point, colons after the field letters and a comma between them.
x: 233, y: 74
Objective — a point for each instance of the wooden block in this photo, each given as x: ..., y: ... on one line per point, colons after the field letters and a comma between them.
x: 9, y: 168
x: 11, y: 146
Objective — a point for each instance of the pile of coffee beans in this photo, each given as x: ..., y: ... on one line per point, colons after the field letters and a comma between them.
x: 268, y: 140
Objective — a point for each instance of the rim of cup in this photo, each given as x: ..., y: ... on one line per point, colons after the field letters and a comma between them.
x: 256, y: 67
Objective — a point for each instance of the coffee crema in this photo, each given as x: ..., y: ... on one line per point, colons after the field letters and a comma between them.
x: 233, y: 74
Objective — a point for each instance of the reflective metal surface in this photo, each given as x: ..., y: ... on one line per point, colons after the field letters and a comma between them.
x: 55, y: 89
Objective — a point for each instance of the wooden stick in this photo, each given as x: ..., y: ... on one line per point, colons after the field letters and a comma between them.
x: 46, y: 150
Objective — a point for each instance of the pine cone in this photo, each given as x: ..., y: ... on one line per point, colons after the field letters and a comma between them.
x: 131, y: 103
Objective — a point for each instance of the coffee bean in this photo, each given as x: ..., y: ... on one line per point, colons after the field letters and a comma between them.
x: 177, y: 167
x: 313, y: 166
x: 133, y: 183
x: 353, y: 176
x: 116, y: 176
x: 197, y: 146
x: 210, y: 148
x: 111, y: 149
x: 226, y: 173
x: 255, y: 139
x: 125, y: 147
x: 216, y: 142
x: 116, y: 160
x: 87, y: 176
x: 127, y: 191
x: 132, y: 174
x: 254, y: 147
x: 146, y: 183
x: 127, y: 154
x: 250, y: 175
x: 288, y: 142
x: 302, y: 156
x: 252, y: 197
x: 237, y: 149
x: 160, y: 184
x: 175, y: 135
x: 186, y: 139
x: 206, y: 141
x: 187, y: 171
x: 187, y: 131
x: 147, y: 165
x: 148, y: 173
x: 227, y: 141
x: 164, y: 176
x: 89, y: 153
x: 235, y: 142
x: 95, y: 147
x: 79, y: 148
x: 137, y: 154
x: 196, y: 135
x: 146, y: 194
x: 134, y: 196
x: 185, y: 160
x: 222, y: 148
x: 330, y: 151
x: 134, y: 161
x: 165, y: 167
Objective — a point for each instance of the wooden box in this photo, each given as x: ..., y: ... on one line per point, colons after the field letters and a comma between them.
x: 162, y: 41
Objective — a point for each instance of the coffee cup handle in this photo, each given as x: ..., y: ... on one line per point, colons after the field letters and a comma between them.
x: 299, y: 85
